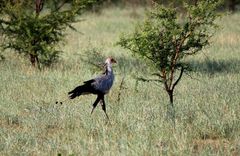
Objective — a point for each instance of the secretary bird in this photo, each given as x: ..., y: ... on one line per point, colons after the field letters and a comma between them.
x: 99, y: 86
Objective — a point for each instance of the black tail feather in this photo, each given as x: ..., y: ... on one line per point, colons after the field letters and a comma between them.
x: 79, y: 91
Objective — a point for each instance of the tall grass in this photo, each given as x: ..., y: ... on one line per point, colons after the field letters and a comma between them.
x: 207, y: 103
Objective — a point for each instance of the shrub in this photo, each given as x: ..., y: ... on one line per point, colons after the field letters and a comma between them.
x: 165, y: 40
x: 34, y: 28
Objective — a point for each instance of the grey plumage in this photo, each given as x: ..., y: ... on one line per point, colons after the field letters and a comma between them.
x: 99, y: 85
x: 104, y: 82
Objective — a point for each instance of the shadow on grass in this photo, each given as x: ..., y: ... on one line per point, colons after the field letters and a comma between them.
x: 216, y: 66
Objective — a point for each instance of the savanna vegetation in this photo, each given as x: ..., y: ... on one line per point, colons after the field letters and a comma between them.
x: 35, y: 28
x: 165, y: 39
x: 207, y: 119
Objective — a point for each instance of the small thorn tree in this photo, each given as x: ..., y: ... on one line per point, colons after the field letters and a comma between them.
x: 165, y: 40
x: 34, y: 27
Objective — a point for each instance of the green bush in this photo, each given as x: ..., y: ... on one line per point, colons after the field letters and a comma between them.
x: 165, y: 40
x: 34, y: 28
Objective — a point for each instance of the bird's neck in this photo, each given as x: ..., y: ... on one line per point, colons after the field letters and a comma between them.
x: 109, y: 69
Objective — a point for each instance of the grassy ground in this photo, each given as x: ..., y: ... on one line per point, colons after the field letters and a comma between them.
x: 207, y: 105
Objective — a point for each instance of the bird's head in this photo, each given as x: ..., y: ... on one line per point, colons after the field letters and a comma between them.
x: 110, y: 61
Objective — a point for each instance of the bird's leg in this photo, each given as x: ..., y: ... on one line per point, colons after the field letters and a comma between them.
x: 104, y: 107
x: 95, y: 103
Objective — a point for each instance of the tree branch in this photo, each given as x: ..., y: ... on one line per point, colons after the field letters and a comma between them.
x: 147, y: 80
x: 157, y: 74
x: 192, y: 51
x: 164, y: 77
x: 121, y: 87
x: 179, y: 78
x: 61, y: 5
x: 39, y: 6
x: 176, y: 56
